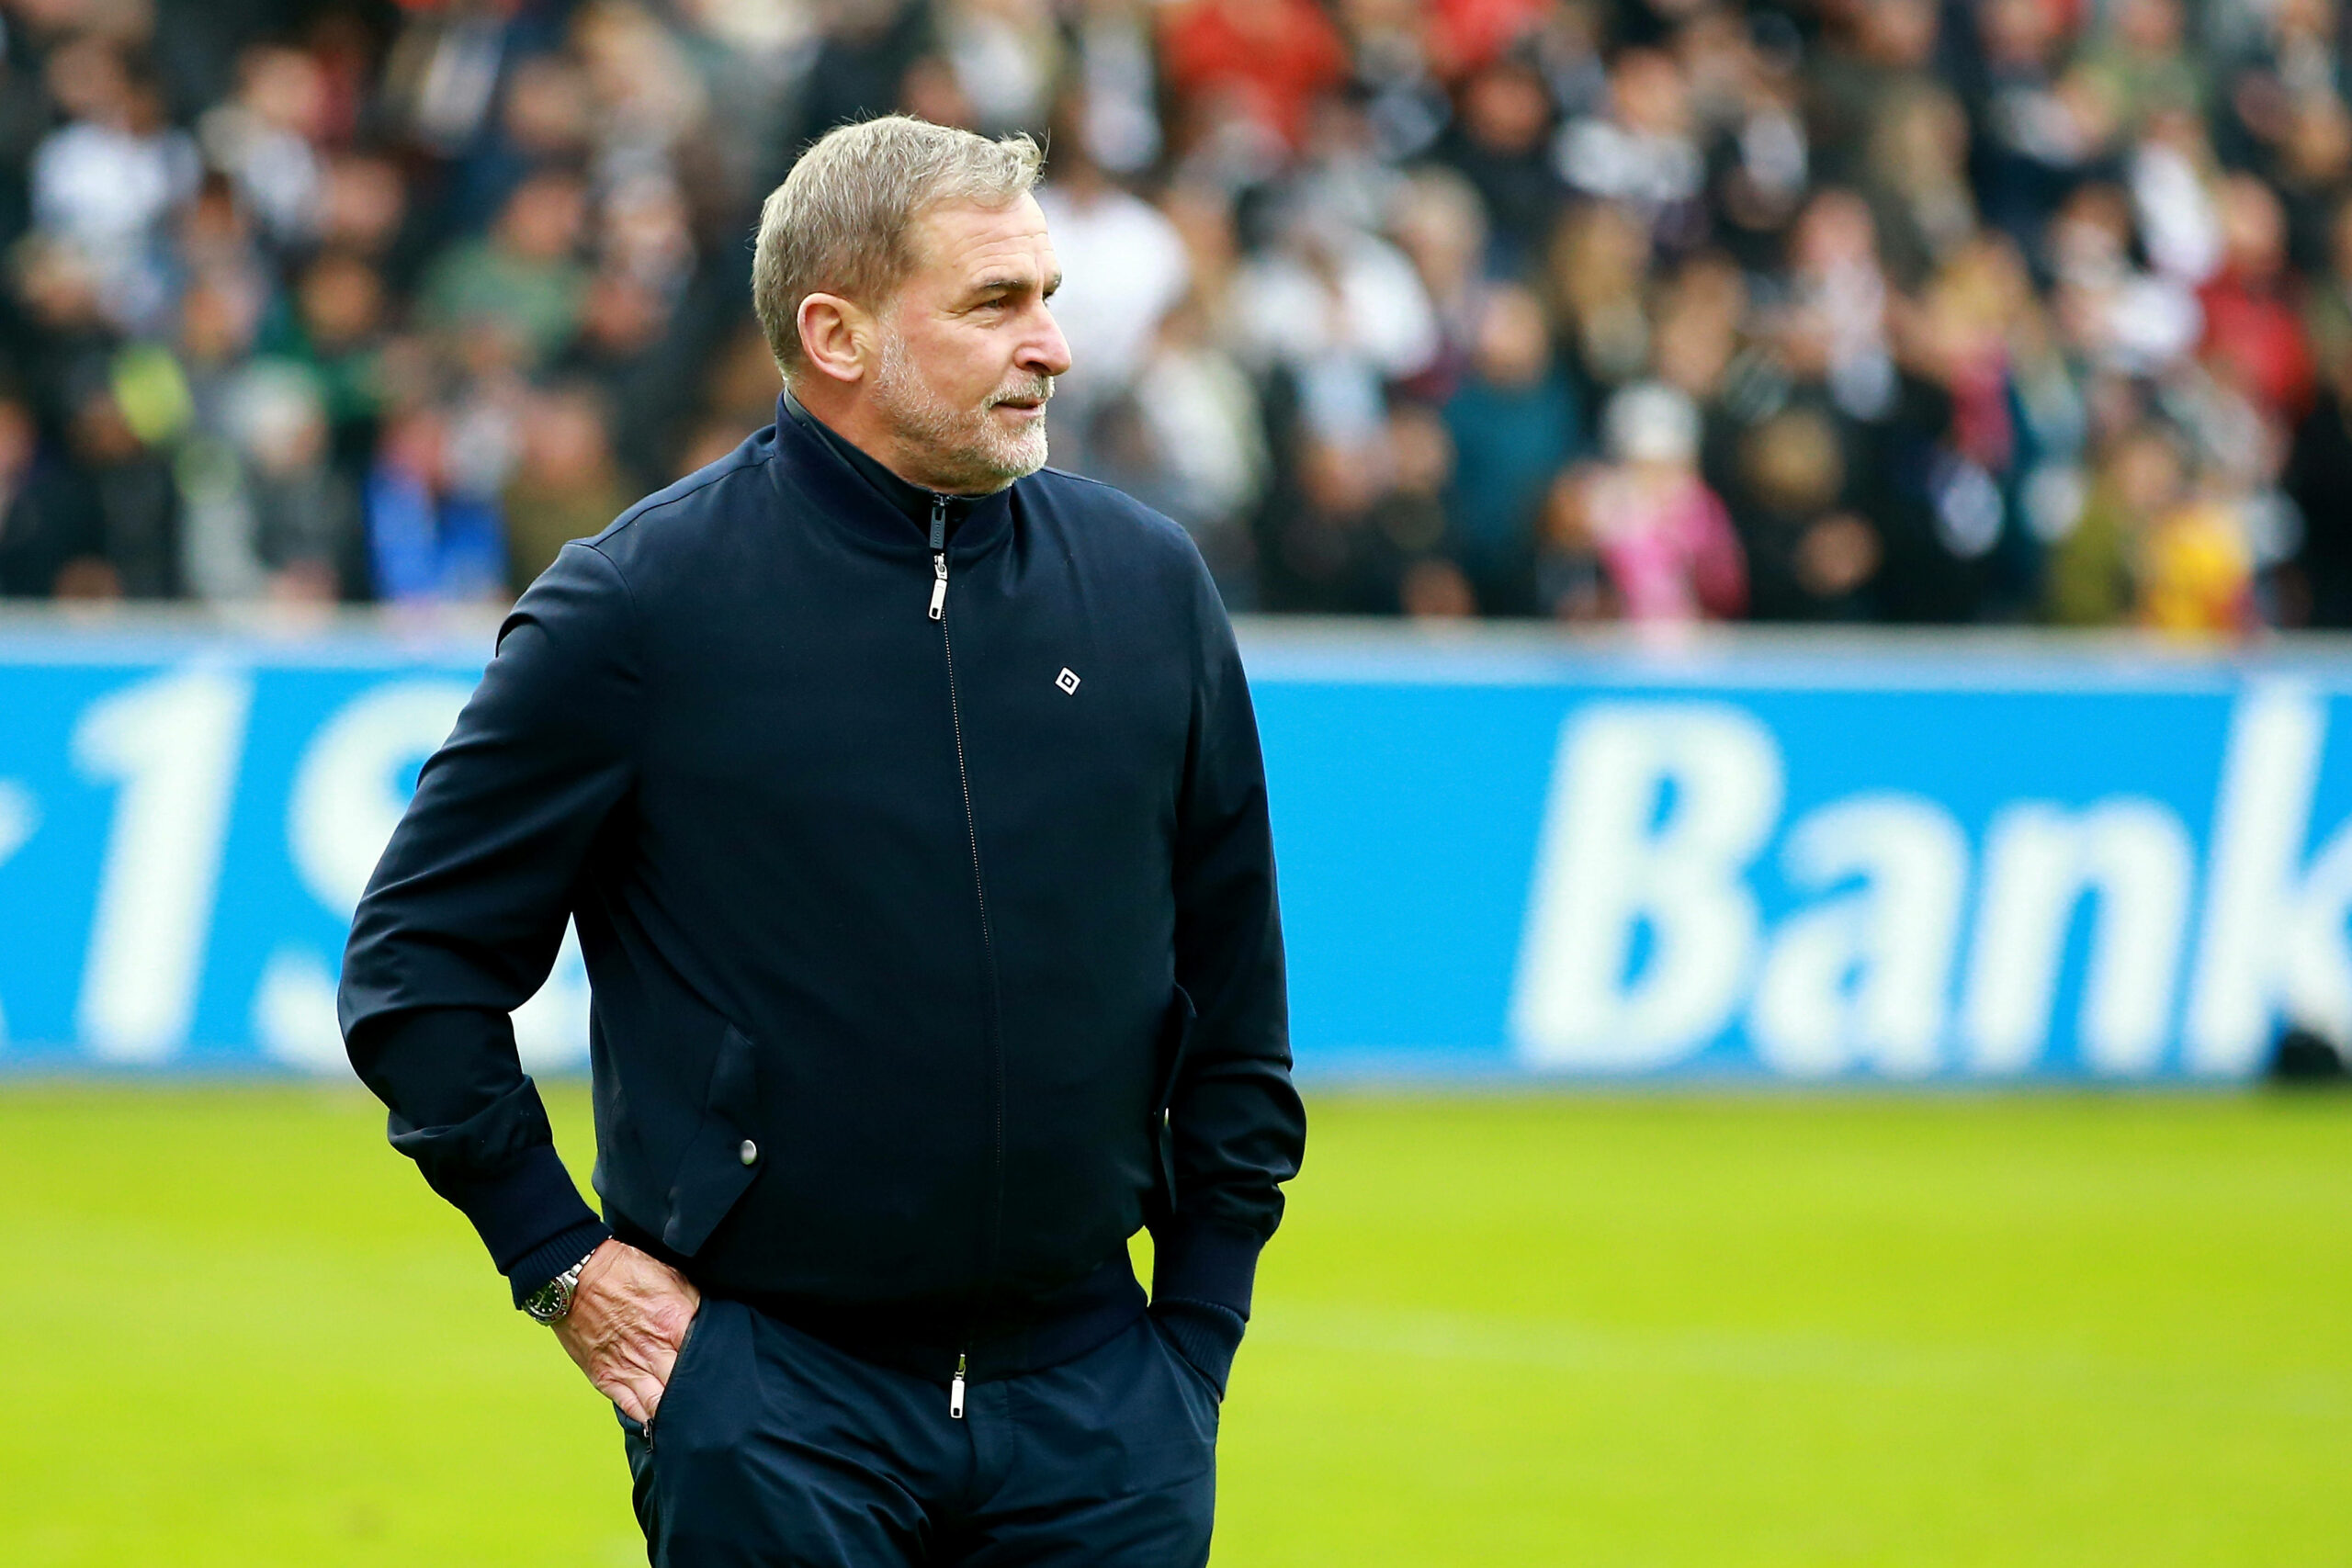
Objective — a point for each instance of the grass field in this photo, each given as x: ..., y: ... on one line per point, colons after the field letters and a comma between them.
x: 1509, y: 1331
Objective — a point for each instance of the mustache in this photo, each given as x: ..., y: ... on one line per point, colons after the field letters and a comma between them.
x: 1037, y: 389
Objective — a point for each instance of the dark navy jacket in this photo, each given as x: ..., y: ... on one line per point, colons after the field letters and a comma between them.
x: 931, y: 957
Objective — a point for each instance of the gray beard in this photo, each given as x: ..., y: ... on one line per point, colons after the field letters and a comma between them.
x: 963, y: 449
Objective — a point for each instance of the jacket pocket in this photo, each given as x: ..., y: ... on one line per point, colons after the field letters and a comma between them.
x: 723, y: 1156
x: 1175, y: 1029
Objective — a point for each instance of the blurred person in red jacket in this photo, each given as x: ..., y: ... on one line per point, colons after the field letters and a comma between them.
x: 2250, y: 323
x: 1274, y: 56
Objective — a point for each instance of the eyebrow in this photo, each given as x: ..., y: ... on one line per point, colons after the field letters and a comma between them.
x: 1012, y: 282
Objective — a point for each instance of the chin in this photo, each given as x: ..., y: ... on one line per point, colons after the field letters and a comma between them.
x: 1013, y: 459
x: 1030, y: 458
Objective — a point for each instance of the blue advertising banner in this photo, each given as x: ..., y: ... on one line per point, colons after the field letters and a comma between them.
x: 1757, y: 858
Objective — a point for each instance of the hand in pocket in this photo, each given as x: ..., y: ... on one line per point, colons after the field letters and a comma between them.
x: 628, y: 1319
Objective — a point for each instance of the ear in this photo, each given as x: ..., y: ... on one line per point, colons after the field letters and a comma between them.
x: 837, y: 337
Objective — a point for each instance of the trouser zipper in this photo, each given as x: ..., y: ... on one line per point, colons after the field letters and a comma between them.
x: 988, y: 938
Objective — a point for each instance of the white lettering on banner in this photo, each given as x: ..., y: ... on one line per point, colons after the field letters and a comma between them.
x: 2040, y: 861
x: 1659, y: 811
x: 1656, y: 811
x: 294, y: 1012
x: 349, y: 791
x: 2250, y: 958
x: 19, y: 819
x: 351, y: 786
x: 171, y: 745
x: 551, y: 1029
x: 1860, y: 977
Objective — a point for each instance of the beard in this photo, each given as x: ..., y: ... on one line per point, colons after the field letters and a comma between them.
x: 965, y: 449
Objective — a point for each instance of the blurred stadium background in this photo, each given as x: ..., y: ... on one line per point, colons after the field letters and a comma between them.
x: 1784, y: 1007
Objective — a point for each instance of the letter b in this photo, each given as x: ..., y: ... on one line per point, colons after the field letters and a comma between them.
x: 1657, y: 810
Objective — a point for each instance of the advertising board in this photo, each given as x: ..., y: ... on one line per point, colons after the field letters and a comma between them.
x: 1501, y: 855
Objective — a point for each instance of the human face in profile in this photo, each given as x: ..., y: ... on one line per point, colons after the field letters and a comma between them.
x: 970, y: 348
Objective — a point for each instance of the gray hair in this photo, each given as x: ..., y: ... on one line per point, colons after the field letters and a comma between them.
x: 839, y: 223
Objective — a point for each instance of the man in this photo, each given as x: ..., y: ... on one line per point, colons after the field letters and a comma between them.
x: 908, y: 802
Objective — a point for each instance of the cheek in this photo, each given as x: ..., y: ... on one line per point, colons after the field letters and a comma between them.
x: 966, y: 364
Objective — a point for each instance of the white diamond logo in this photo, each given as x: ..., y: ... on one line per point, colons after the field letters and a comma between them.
x: 1067, y: 680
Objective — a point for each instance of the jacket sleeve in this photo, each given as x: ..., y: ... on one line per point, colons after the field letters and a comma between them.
x: 462, y: 919
x: 1237, y: 1126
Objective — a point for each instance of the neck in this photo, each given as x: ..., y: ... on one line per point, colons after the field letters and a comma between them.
x: 856, y: 421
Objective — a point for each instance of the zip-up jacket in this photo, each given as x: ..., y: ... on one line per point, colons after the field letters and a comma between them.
x: 918, y: 854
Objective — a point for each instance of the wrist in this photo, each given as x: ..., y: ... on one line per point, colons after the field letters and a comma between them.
x: 1203, y: 1260
x: 1205, y: 1334
x: 544, y: 1263
x: 552, y: 1302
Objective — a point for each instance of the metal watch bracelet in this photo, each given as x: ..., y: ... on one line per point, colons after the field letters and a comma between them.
x: 552, y: 1302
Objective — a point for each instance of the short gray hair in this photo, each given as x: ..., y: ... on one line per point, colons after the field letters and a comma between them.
x: 839, y: 223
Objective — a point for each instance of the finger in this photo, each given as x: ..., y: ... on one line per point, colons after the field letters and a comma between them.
x: 631, y: 1404
x: 649, y: 1397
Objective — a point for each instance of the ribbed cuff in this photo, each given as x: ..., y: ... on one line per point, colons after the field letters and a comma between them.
x: 522, y: 1208
x: 1197, y: 1260
x: 552, y: 1257
x: 1205, y: 1334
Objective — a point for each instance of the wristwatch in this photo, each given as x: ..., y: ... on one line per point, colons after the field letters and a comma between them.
x: 552, y: 1302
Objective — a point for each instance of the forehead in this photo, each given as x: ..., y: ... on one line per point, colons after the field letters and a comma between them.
x: 957, y: 242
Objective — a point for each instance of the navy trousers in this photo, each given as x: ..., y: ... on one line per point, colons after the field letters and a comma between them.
x: 773, y: 1447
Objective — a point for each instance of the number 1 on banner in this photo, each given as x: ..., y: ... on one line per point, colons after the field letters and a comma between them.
x: 171, y: 746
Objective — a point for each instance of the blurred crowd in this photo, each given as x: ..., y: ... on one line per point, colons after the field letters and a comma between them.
x: 1659, y: 311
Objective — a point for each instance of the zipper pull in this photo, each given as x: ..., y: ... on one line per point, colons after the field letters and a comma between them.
x: 939, y: 556
x: 955, y: 1391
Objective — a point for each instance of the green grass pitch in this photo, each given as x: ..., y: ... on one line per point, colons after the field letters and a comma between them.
x: 1545, y: 1330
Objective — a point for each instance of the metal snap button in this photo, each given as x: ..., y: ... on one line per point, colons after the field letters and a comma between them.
x: 749, y: 1153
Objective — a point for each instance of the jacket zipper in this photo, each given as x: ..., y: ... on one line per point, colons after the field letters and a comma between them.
x: 988, y: 938
x: 939, y: 566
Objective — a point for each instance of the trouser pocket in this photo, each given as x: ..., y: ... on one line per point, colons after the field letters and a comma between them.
x: 677, y: 1372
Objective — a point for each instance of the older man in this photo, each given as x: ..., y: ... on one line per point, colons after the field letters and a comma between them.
x: 906, y: 798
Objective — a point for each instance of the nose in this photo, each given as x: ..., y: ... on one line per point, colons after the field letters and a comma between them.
x: 1048, y: 352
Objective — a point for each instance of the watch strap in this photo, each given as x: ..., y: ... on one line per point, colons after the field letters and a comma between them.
x: 552, y: 1302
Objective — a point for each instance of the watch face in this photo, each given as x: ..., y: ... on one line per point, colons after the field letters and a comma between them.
x: 549, y: 1301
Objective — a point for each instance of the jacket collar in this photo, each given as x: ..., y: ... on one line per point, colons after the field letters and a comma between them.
x: 858, y: 490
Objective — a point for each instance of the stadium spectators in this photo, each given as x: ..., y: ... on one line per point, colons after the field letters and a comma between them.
x: 1927, y: 310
